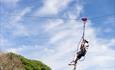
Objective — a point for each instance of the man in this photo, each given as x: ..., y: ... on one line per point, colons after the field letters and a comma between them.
x: 83, y: 49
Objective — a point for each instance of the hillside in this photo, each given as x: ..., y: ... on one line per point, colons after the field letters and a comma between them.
x: 11, y: 61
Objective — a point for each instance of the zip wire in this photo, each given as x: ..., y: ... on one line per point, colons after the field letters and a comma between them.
x: 58, y: 17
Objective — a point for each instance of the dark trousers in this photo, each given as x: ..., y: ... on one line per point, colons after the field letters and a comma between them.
x: 81, y: 53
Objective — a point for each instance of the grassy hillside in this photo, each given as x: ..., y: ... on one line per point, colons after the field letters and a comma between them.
x: 11, y: 61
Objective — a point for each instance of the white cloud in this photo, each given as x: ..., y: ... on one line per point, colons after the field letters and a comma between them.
x: 78, y: 9
x: 52, y: 7
x: 20, y: 15
x: 4, y: 43
x: 58, y: 36
x: 65, y: 37
x: 22, y: 48
x: 51, y: 25
x: 14, y: 50
x: 18, y: 28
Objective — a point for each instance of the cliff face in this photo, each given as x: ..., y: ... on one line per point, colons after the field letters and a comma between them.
x: 11, y: 61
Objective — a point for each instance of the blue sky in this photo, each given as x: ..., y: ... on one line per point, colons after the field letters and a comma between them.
x: 46, y: 30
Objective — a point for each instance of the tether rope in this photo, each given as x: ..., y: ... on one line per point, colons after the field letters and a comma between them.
x: 81, y: 40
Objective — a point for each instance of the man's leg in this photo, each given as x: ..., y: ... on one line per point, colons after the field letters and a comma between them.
x: 79, y: 55
x: 73, y: 61
x: 76, y: 60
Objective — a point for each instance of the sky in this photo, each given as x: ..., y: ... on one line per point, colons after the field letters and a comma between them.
x: 49, y: 31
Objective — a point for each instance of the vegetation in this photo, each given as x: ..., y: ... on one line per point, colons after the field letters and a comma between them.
x: 17, y: 62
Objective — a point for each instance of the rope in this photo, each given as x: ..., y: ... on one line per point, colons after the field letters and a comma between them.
x: 82, y: 38
x: 74, y: 67
x: 79, y: 44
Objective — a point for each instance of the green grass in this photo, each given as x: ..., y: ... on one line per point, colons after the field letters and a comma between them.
x: 31, y: 64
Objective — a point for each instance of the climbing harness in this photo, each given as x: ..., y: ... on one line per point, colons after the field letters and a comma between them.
x: 81, y: 41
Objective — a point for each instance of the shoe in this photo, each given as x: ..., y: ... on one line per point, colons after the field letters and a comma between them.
x: 71, y: 64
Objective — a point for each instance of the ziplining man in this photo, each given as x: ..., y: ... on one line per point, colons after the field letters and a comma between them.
x: 83, y: 49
